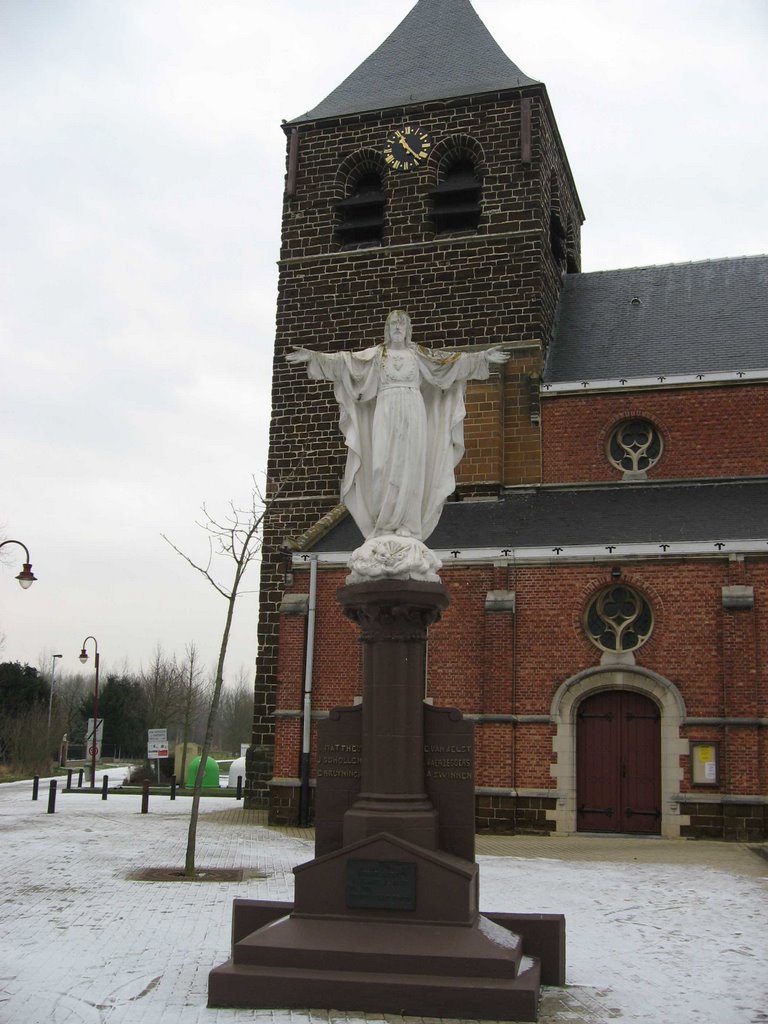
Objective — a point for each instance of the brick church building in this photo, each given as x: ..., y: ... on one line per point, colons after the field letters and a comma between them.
x: 606, y: 548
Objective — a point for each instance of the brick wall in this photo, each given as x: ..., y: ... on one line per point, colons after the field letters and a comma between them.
x: 575, y: 430
x: 499, y: 663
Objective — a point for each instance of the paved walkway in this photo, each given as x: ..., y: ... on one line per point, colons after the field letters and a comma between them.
x: 81, y: 943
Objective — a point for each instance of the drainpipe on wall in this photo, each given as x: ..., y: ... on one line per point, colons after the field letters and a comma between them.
x: 307, y: 715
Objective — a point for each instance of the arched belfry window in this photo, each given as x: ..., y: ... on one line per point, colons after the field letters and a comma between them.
x: 360, y: 215
x: 456, y: 198
x: 571, y: 252
x: 558, y: 235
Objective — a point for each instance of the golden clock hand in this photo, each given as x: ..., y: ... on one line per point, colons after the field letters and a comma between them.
x: 406, y: 146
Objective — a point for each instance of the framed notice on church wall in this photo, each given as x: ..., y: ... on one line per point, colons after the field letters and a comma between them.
x: 705, y: 763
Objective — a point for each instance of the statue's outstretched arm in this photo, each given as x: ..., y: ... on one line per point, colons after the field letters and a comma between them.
x: 496, y: 355
x: 299, y: 355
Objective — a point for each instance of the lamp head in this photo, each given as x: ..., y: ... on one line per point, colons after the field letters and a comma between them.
x: 83, y: 656
x: 26, y: 577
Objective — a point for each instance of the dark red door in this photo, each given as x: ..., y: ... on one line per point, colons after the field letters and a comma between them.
x: 618, y: 763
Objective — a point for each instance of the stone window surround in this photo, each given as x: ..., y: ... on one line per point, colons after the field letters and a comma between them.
x: 634, y: 474
x: 565, y: 704
x: 641, y: 601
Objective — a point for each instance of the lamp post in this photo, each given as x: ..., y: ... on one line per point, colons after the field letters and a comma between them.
x: 26, y: 577
x: 50, y: 699
x: 83, y: 659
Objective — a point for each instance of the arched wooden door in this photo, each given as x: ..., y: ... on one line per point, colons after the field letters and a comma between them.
x: 618, y: 763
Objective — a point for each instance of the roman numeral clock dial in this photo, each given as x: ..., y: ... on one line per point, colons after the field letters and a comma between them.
x: 407, y: 148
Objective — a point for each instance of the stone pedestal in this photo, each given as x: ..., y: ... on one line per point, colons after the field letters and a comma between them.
x: 393, y: 619
x: 386, y: 918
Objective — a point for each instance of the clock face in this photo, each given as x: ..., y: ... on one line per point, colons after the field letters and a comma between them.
x: 407, y: 147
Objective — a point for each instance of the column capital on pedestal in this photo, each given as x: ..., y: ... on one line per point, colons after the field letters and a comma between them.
x: 397, y: 610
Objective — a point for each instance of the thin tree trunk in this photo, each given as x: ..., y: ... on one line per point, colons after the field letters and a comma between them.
x: 189, y: 864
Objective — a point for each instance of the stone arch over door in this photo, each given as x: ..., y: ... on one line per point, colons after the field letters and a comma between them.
x: 564, y: 709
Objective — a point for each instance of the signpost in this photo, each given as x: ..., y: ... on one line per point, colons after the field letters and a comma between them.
x: 157, y: 743
x: 157, y: 747
x: 93, y: 743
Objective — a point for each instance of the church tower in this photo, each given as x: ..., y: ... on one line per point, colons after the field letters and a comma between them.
x: 432, y: 179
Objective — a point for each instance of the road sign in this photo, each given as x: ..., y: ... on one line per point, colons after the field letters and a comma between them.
x: 157, y: 743
x: 94, y: 743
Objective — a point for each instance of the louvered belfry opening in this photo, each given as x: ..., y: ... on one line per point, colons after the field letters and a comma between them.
x: 361, y: 214
x: 456, y: 200
x: 558, y: 239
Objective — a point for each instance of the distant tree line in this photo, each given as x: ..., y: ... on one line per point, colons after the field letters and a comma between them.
x: 169, y: 693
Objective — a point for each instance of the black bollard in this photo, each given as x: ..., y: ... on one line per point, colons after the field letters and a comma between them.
x: 80, y: 779
x: 52, y: 797
x: 145, y: 797
x: 104, y: 787
x: 173, y: 787
x: 35, y: 786
x: 239, y: 793
x: 69, y: 780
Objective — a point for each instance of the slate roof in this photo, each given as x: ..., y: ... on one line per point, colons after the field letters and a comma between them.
x: 441, y: 49
x: 691, y: 318
x: 636, y: 513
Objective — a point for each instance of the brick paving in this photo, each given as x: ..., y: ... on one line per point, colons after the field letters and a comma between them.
x: 80, y: 943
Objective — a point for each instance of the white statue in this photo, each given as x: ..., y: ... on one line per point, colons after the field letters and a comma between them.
x: 402, y: 417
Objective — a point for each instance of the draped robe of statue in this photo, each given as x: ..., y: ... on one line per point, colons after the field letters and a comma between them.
x: 402, y: 417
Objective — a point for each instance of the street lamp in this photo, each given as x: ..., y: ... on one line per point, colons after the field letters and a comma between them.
x: 26, y: 577
x: 83, y: 659
x: 50, y: 699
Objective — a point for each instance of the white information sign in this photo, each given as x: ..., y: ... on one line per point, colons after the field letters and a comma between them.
x: 92, y: 742
x: 157, y: 743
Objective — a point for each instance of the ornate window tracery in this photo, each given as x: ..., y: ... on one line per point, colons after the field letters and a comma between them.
x: 618, y: 618
x: 634, y: 446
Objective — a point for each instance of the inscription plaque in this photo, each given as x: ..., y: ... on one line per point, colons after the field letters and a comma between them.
x: 449, y: 758
x: 381, y: 884
x: 338, y: 775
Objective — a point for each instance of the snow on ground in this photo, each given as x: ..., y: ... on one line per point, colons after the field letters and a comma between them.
x: 82, y: 944
x: 670, y: 944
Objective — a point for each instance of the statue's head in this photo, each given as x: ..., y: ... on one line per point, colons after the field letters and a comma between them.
x: 397, y: 332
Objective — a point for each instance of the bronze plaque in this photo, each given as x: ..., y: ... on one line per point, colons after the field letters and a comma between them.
x: 381, y: 884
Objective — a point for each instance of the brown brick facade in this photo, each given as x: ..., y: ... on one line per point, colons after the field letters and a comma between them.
x: 576, y: 428
x: 506, y: 668
x: 498, y: 284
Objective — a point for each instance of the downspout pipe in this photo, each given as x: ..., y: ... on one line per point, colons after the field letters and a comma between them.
x: 307, y: 714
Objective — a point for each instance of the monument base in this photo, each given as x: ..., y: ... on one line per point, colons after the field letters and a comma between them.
x: 384, y: 926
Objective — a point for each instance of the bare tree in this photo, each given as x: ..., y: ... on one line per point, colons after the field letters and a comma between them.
x: 235, y: 714
x: 238, y: 538
x: 69, y: 693
x: 26, y: 743
x: 163, y: 684
x: 193, y: 689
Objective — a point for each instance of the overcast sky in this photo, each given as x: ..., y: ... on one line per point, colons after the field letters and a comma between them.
x: 141, y: 167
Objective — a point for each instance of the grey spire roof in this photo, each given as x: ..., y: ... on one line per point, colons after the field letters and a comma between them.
x: 704, y: 317
x: 440, y: 49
